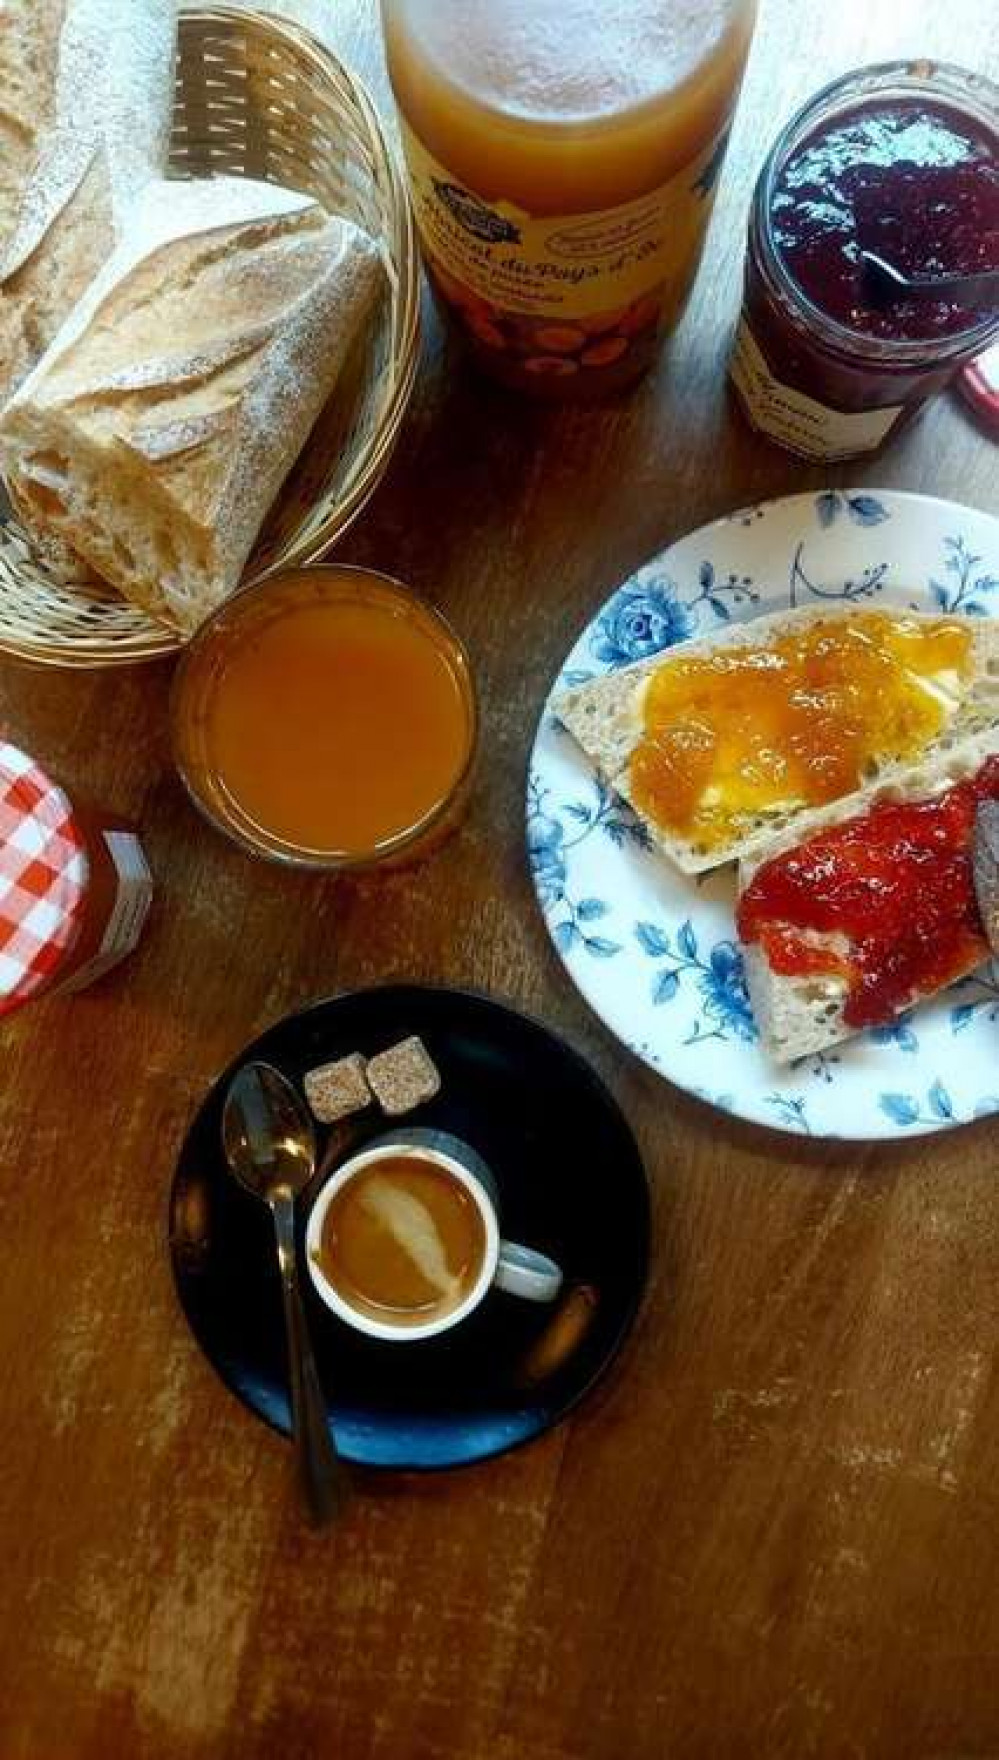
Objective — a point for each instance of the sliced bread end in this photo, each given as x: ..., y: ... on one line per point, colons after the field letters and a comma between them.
x: 797, y: 1017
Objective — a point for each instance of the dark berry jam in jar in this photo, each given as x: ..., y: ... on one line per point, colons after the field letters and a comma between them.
x: 900, y: 159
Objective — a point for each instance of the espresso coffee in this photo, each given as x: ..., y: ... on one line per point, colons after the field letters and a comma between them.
x: 403, y: 1242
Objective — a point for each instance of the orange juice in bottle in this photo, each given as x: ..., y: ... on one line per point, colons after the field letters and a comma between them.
x: 562, y: 157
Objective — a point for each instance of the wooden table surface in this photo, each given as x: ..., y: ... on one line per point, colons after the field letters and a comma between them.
x: 775, y: 1529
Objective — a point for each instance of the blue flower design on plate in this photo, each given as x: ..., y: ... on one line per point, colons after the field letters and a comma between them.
x: 545, y: 838
x: 863, y: 509
x: 906, y: 1109
x: 653, y: 615
x: 723, y: 987
x: 976, y: 996
x: 548, y: 851
x: 899, y: 1032
x: 790, y: 1111
x: 965, y: 589
x: 639, y: 622
x: 721, y: 980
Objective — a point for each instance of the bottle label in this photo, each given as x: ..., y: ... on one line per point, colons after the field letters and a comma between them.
x: 575, y: 288
x: 128, y: 913
x: 796, y: 421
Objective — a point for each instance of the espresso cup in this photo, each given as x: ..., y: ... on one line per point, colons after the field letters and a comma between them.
x: 404, y: 1224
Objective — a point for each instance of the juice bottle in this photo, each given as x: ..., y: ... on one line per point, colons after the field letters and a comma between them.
x: 563, y: 156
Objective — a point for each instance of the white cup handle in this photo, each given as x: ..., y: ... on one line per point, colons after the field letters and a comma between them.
x: 523, y: 1272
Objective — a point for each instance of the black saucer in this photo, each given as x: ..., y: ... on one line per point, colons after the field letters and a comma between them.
x: 571, y: 1184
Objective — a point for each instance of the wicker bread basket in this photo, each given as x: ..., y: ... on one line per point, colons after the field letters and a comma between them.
x: 258, y: 97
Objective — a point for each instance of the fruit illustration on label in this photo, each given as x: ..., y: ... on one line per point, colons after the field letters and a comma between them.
x: 554, y: 366
x: 604, y: 354
x: 560, y: 339
x: 542, y: 347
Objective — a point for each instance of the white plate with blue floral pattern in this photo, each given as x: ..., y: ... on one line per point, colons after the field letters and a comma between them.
x: 652, y: 950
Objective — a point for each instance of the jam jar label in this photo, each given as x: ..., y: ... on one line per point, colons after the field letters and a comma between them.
x: 568, y: 291
x: 796, y: 421
x: 127, y: 916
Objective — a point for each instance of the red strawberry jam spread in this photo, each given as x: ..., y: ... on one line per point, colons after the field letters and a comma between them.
x: 892, y: 887
x: 916, y: 182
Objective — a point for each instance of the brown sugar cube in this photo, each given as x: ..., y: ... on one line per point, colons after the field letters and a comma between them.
x: 335, y: 1090
x: 403, y: 1077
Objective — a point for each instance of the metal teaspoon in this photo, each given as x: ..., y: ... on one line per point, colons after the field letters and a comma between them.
x: 270, y: 1146
x: 965, y: 290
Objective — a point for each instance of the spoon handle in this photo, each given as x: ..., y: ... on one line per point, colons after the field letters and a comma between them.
x: 970, y: 290
x: 967, y: 290
x: 322, y: 1475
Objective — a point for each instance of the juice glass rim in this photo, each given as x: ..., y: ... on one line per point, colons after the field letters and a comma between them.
x: 252, y: 839
x: 950, y: 85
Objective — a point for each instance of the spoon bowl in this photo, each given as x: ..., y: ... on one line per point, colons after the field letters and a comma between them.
x: 268, y: 1135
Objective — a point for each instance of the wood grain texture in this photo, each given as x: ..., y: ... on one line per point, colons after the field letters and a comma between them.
x: 775, y: 1531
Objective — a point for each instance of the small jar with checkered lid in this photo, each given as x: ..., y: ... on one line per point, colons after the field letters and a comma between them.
x: 75, y: 888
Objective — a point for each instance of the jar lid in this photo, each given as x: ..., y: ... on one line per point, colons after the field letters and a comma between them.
x: 43, y: 877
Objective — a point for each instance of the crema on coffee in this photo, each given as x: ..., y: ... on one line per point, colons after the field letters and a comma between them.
x: 403, y: 1242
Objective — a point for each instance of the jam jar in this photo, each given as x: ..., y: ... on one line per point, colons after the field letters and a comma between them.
x: 901, y: 159
x: 75, y: 888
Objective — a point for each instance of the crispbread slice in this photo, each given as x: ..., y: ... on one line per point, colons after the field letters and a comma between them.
x: 799, y: 1016
x: 605, y: 718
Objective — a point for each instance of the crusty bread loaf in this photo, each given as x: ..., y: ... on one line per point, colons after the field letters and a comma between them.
x: 155, y: 433
x: 86, y: 100
x: 605, y: 717
x: 799, y: 1016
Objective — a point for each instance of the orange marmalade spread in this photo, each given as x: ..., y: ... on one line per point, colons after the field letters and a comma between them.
x: 796, y: 722
x: 884, y: 902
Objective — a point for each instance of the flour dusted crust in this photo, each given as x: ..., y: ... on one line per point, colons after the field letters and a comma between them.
x: 29, y: 53
x: 158, y: 429
x: 798, y: 1017
x: 86, y: 101
x: 86, y: 98
x: 605, y: 718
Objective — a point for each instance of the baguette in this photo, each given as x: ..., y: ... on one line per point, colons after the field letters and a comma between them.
x: 800, y: 1016
x: 605, y: 718
x: 155, y: 433
x: 85, y: 112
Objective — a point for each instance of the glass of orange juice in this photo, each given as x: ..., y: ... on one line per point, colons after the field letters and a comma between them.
x: 563, y: 157
x: 326, y: 717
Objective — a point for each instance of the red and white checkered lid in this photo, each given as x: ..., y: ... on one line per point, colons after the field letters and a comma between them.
x: 43, y: 877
